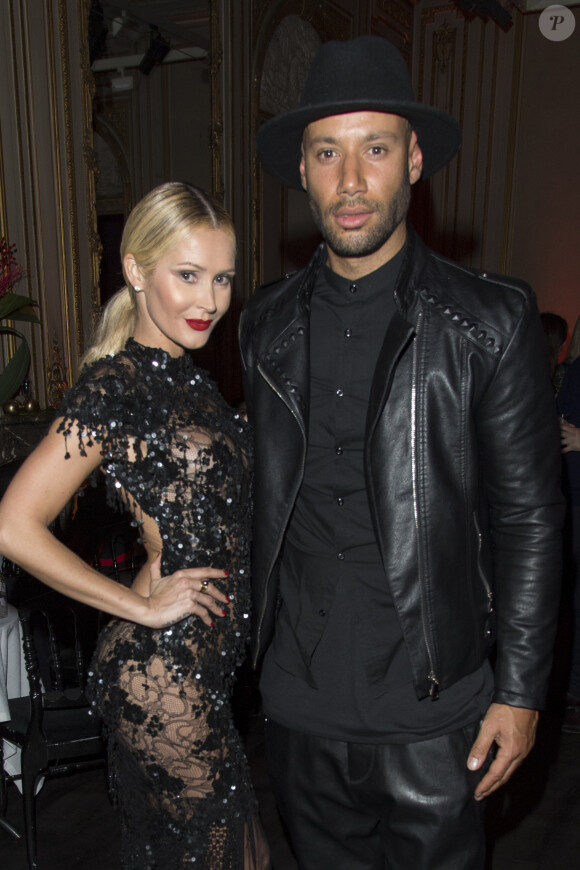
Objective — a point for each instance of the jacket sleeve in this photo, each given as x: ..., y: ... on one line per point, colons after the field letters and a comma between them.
x: 519, y: 441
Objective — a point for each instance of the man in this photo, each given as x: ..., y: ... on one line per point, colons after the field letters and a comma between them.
x: 407, y: 502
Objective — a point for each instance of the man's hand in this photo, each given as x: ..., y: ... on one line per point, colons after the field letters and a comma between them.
x: 570, y: 436
x: 513, y: 729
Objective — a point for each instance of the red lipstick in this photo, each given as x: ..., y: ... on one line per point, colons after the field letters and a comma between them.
x: 199, y: 325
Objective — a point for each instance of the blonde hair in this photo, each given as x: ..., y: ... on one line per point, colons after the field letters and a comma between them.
x: 159, y: 222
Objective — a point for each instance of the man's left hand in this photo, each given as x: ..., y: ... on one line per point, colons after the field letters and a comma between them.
x: 513, y: 730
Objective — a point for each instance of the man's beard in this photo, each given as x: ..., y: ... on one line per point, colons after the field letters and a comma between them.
x: 362, y: 242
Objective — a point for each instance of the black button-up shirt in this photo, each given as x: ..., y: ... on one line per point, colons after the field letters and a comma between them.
x: 338, y: 666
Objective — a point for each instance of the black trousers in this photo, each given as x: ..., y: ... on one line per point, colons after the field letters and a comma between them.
x: 356, y: 806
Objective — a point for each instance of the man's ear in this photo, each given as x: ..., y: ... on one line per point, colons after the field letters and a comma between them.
x: 303, y: 169
x: 133, y: 270
x: 415, y: 159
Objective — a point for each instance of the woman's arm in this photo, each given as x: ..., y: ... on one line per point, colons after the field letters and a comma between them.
x: 37, y: 494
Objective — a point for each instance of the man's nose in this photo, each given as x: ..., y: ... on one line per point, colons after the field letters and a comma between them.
x: 352, y: 178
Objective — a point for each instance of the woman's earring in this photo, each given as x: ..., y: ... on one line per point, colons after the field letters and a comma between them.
x: 137, y: 289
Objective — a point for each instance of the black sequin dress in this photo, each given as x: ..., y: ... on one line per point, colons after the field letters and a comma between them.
x: 179, y: 456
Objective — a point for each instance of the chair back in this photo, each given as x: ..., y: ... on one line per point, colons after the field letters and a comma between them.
x: 58, y: 638
x: 53, y: 726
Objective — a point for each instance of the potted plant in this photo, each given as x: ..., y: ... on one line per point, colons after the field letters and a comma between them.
x: 13, y: 306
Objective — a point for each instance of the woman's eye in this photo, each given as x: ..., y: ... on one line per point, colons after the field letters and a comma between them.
x: 187, y: 276
x: 223, y: 279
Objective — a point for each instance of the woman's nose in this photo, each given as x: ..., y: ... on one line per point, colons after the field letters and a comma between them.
x: 206, y: 298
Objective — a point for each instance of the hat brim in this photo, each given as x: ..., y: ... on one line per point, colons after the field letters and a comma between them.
x: 279, y: 140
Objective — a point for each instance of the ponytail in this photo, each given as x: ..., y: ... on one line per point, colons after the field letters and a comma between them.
x: 116, y: 325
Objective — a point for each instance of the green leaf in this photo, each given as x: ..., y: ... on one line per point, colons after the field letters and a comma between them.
x: 12, y: 302
x: 27, y: 314
x: 16, y: 370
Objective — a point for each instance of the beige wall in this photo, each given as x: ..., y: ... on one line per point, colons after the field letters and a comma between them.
x: 509, y: 201
x: 544, y: 245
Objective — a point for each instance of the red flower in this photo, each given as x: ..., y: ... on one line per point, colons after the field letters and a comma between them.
x: 10, y: 271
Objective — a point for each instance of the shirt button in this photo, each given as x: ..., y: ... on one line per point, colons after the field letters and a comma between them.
x: 353, y: 288
x: 347, y: 333
x: 340, y: 393
x: 322, y: 612
x: 341, y: 556
x: 340, y: 501
x: 339, y: 451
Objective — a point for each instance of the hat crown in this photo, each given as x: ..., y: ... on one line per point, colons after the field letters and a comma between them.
x: 367, y: 74
x: 368, y: 68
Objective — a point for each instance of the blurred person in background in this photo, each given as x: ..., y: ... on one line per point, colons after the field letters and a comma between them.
x: 556, y: 331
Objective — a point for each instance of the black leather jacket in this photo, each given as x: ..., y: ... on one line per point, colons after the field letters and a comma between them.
x: 462, y: 463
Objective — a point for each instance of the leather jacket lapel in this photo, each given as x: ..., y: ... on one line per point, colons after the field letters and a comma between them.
x: 398, y: 336
x: 285, y: 362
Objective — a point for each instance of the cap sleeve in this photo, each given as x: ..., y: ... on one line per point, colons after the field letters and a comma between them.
x: 98, y: 408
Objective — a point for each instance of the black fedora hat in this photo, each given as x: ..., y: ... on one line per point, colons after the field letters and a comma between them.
x: 363, y: 74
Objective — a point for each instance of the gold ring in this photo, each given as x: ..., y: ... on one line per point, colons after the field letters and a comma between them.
x: 204, y: 585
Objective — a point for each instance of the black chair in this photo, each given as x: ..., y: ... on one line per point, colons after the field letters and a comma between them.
x: 53, y: 726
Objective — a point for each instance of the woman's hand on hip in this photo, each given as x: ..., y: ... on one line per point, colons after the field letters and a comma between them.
x: 185, y: 592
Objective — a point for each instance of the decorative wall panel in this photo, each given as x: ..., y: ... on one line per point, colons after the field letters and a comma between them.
x: 467, y: 68
x: 46, y: 143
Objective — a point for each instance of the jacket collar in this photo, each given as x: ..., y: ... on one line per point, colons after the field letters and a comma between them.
x: 409, y: 275
x: 285, y: 360
x: 407, y: 282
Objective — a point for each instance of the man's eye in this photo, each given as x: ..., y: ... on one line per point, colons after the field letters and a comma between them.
x: 326, y: 154
x: 378, y: 149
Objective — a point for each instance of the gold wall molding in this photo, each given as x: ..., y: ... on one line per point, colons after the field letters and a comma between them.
x: 3, y: 230
x: 288, y: 57
x: 61, y: 64
x: 427, y: 19
x: 395, y: 13
x: 444, y: 44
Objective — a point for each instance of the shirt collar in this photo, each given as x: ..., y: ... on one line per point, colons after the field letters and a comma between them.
x: 371, y: 284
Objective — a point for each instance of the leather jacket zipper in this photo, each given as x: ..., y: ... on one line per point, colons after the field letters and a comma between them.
x: 290, y: 501
x: 432, y: 677
x: 487, y: 587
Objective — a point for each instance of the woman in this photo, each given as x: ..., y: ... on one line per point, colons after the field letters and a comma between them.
x: 179, y: 458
